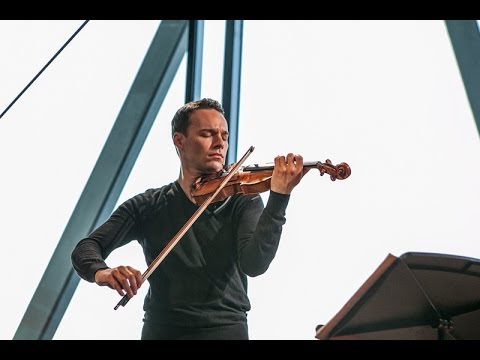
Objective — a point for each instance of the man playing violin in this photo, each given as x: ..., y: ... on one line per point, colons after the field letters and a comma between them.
x: 200, y: 289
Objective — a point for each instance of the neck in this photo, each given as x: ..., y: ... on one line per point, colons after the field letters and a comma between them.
x: 256, y: 167
x: 186, y: 180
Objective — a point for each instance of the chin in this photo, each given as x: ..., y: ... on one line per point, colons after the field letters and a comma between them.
x: 215, y: 166
x: 210, y: 167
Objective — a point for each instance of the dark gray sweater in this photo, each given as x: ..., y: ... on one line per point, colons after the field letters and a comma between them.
x: 203, y: 281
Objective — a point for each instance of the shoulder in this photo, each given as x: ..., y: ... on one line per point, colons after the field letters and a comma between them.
x: 156, y: 193
x: 148, y: 198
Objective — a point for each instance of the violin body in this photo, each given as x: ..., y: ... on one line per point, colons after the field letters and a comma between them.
x: 255, y: 179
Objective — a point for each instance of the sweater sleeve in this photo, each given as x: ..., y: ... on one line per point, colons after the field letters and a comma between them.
x: 90, y: 253
x: 259, y: 232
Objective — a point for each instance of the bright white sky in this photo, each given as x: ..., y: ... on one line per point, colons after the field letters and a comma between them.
x: 384, y: 96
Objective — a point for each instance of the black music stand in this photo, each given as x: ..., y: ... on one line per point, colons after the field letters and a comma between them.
x: 418, y: 296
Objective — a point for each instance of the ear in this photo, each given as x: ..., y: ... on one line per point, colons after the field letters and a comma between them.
x: 178, y: 139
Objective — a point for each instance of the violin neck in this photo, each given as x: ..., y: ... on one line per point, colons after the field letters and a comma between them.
x: 256, y: 167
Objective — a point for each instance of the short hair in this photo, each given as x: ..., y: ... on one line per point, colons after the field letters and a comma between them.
x: 181, y: 119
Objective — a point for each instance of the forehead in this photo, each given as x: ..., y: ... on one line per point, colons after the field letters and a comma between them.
x: 208, y: 118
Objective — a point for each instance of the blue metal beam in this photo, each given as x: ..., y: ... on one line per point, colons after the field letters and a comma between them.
x: 231, y: 83
x: 107, y: 179
x: 465, y: 38
x: 194, y: 60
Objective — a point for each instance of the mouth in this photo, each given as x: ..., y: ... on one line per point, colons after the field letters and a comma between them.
x: 216, y: 157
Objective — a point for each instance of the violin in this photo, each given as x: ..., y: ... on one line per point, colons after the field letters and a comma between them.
x: 255, y: 179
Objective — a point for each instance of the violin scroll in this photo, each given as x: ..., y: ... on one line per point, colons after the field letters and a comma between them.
x: 340, y: 171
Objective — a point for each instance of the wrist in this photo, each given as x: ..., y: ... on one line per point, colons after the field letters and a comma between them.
x: 97, y: 276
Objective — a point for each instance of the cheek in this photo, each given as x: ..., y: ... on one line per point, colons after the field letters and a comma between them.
x: 199, y: 146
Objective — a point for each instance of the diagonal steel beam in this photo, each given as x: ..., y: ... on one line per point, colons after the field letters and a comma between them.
x: 107, y: 179
x: 465, y: 38
x: 231, y: 83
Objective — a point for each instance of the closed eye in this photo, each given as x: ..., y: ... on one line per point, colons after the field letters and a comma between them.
x: 209, y: 133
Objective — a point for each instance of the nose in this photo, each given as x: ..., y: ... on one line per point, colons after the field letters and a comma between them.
x: 218, y: 142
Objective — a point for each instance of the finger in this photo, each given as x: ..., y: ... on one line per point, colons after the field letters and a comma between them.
x: 290, y: 160
x: 128, y: 281
x: 138, y: 276
x: 114, y: 284
x: 279, y: 161
x: 126, y: 285
x: 132, y: 279
x: 298, y: 160
x: 121, y: 283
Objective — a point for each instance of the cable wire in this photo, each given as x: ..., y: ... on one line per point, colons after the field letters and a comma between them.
x: 48, y: 63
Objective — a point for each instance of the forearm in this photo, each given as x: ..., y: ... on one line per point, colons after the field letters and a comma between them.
x: 87, y: 259
x: 257, y: 249
x: 90, y: 253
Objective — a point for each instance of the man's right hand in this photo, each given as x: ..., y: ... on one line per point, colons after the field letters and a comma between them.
x: 121, y: 278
